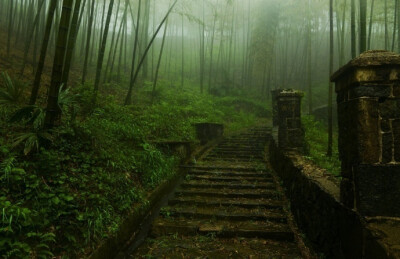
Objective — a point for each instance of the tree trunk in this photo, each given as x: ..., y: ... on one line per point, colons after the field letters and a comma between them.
x: 386, y: 28
x: 112, y: 44
x: 39, y: 69
x: 71, y: 42
x: 89, y: 36
x: 159, y: 61
x: 353, y: 29
x: 101, y: 50
x: 331, y: 47
x: 129, y: 95
x: 53, y: 110
x: 10, y: 26
x: 363, y: 25
x: 183, y: 56
x: 370, y: 24
x: 146, y: 35
x: 395, y: 23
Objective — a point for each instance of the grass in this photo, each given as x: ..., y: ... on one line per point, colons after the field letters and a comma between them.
x: 316, y: 136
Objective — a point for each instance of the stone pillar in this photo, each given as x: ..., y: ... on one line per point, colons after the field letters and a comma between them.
x: 274, y: 95
x: 290, y: 133
x: 368, y: 98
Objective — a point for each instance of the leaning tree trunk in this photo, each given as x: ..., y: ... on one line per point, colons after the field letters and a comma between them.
x: 101, y: 51
x: 53, y: 110
x: 40, y: 66
x: 159, y: 62
x: 129, y: 95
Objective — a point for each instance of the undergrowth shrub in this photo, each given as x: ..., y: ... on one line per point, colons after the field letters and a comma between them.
x: 316, y: 137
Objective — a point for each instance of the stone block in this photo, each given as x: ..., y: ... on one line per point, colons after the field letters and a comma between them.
x: 293, y: 123
x: 390, y: 108
x: 378, y: 190
x: 396, y: 139
x: 367, y: 90
x: 274, y: 95
x: 360, y: 132
x: 341, y: 96
x: 396, y: 89
x: 347, y: 192
x: 385, y: 126
x: 295, y: 138
x: 387, y: 147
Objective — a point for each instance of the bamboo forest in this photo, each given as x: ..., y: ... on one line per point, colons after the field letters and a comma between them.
x: 200, y: 129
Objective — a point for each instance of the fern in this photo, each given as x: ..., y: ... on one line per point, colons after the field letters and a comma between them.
x: 12, y: 92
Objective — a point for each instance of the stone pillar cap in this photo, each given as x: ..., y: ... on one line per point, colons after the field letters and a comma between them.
x: 290, y: 93
x: 370, y: 58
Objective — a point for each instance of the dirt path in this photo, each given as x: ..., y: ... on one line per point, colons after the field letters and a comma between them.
x: 229, y: 206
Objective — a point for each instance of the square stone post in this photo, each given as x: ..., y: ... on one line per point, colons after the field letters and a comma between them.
x: 290, y: 133
x: 274, y: 95
x: 368, y: 98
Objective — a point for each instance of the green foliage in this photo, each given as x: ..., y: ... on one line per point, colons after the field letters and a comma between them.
x: 90, y: 171
x: 11, y: 94
x: 317, y: 140
x: 32, y: 117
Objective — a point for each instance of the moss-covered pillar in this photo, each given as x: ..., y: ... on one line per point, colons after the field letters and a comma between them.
x: 274, y: 95
x: 290, y: 133
x: 368, y: 98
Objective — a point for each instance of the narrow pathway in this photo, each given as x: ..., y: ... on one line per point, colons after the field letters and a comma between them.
x: 229, y: 206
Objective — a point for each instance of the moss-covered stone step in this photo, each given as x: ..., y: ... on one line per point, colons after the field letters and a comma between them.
x: 222, y: 228
x: 227, y: 194
x: 227, y: 185
x: 234, y: 156
x: 216, y: 248
x: 227, y: 168
x: 228, y: 202
x: 246, y: 179
x: 226, y: 213
x: 232, y: 173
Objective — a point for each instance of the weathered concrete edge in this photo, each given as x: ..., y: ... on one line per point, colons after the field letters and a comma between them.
x: 131, y: 224
x: 110, y: 247
x: 329, y: 226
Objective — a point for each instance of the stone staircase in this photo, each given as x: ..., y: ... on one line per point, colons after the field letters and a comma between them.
x: 228, y: 206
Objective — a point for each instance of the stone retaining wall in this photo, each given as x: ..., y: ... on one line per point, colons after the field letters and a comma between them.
x: 331, y: 228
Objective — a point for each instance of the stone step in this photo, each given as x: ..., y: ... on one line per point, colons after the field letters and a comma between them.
x: 226, y: 213
x: 220, y: 228
x: 227, y: 194
x: 224, y: 202
x: 241, y: 179
x: 226, y: 168
x: 217, y: 248
x: 233, y: 156
x: 226, y: 185
x: 224, y: 173
x: 237, y: 160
